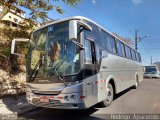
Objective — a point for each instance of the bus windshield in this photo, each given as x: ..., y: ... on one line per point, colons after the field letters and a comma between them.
x: 52, y: 54
x: 150, y: 69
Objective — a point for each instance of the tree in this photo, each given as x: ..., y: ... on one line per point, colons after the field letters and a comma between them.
x: 126, y: 40
x: 38, y: 8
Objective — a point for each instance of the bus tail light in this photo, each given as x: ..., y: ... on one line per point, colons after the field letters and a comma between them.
x: 82, y: 97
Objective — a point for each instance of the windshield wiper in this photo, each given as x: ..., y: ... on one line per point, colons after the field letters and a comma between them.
x: 56, y: 73
x: 35, y: 70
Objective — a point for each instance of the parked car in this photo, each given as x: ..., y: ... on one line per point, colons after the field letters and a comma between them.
x: 151, y: 72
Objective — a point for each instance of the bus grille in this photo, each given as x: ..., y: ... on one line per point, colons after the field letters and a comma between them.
x: 50, y: 104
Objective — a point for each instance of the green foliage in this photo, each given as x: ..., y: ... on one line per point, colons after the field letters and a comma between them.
x: 38, y: 8
x: 8, y: 34
x: 6, y: 51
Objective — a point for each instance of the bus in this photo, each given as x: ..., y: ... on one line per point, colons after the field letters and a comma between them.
x: 75, y: 63
x: 151, y: 72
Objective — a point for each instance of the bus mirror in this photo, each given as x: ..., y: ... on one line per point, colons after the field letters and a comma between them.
x: 19, y: 43
x: 85, y: 25
x: 72, y: 30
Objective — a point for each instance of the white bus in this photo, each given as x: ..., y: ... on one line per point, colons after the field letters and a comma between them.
x: 75, y: 63
x: 151, y: 72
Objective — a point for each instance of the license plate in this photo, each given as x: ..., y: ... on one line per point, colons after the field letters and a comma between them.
x: 46, y: 100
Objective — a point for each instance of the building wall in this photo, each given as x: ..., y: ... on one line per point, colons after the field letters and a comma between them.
x: 1, y: 9
x: 13, y: 18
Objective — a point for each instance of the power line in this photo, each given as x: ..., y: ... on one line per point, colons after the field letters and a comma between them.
x: 89, y: 15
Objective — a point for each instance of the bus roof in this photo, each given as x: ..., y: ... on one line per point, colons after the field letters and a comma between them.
x: 83, y: 18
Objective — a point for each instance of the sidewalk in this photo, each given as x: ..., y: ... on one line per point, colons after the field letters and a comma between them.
x: 9, y: 105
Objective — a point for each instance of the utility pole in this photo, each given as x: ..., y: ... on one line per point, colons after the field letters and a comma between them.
x: 136, y: 38
x: 151, y: 60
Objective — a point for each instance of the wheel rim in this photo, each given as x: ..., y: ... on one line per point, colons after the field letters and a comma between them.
x: 136, y: 83
x: 109, y: 96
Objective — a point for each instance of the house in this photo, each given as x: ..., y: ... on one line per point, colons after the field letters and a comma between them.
x: 13, y: 17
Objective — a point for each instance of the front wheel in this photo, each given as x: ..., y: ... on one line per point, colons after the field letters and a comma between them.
x: 136, y: 84
x: 110, y: 95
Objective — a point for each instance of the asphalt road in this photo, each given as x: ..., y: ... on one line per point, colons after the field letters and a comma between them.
x: 144, y: 100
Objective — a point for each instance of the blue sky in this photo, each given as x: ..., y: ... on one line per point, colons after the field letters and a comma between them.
x: 123, y: 17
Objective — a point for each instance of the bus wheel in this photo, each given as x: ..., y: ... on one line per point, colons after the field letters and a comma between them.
x: 110, y: 96
x: 136, y: 84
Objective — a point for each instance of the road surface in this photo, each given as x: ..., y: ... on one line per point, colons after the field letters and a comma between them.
x: 144, y: 100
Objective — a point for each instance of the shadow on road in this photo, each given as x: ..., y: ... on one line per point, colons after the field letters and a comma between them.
x: 116, y: 96
x: 50, y: 114
x: 53, y: 114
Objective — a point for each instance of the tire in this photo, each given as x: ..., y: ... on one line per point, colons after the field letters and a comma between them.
x: 136, y: 84
x: 109, y: 98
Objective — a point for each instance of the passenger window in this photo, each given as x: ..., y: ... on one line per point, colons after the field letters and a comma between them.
x: 97, y: 54
x: 113, y: 45
x: 93, y: 35
x: 128, y: 52
x: 133, y: 54
x: 88, y: 53
x: 139, y: 56
x: 106, y: 41
x: 120, y: 49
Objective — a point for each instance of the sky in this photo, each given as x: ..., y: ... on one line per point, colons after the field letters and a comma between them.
x: 122, y: 17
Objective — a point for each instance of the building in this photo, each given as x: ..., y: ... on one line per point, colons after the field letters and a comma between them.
x: 13, y: 17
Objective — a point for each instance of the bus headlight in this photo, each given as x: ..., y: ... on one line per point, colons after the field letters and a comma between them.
x: 73, y: 97
x: 66, y: 98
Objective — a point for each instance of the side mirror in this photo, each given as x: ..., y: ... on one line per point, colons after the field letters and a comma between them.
x: 13, y: 45
x: 73, y: 28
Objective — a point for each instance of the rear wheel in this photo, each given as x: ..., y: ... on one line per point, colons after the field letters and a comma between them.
x: 110, y: 95
x: 136, y: 84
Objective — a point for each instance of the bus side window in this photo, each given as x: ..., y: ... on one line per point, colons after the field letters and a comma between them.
x: 88, y: 53
x: 113, y: 45
x: 91, y: 52
x: 136, y: 56
x: 128, y: 50
x: 120, y: 49
x: 133, y: 54
x: 139, y: 57
x: 97, y: 54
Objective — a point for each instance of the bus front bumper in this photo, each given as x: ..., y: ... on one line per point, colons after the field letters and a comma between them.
x: 61, y: 101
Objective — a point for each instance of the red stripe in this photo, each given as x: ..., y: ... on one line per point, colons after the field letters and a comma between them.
x: 82, y: 97
x: 60, y: 97
x: 51, y: 97
x: 43, y: 97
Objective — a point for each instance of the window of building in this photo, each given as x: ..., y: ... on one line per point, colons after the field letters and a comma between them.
x: 15, y: 20
x: 10, y: 17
